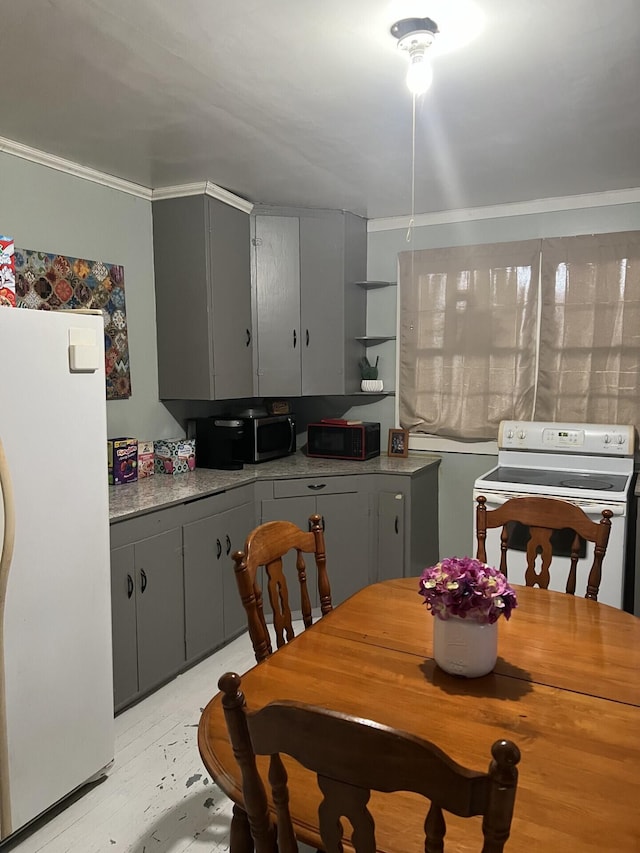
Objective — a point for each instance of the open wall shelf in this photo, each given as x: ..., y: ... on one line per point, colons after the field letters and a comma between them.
x: 371, y: 340
x: 371, y: 285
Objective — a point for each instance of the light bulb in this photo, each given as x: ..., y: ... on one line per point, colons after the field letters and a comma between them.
x: 419, y: 75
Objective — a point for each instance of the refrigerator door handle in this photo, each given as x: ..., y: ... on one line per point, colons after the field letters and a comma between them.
x: 6, y: 555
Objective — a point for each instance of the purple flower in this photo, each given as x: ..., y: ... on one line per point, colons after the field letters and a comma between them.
x: 464, y: 587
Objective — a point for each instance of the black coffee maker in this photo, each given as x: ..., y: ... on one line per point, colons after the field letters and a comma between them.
x: 218, y: 443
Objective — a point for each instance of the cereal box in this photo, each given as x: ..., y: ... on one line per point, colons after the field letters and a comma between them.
x: 175, y: 455
x: 145, y: 459
x: 122, y: 460
x: 7, y: 273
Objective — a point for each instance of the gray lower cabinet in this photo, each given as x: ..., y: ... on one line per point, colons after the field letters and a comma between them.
x: 405, y: 510
x: 308, y: 310
x: 203, y: 299
x: 389, y: 534
x: 213, y: 609
x: 147, y: 606
x: 344, y: 507
x: 173, y: 591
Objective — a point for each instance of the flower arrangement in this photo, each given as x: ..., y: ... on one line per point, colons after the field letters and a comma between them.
x: 464, y: 587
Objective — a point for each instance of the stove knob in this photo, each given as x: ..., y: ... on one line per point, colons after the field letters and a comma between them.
x: 607, y: 439
x: 620, y: 439
x: 522, y: 434
x: 509, y: 433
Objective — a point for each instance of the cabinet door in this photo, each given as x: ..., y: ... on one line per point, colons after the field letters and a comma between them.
x: 202, y: 261
x: 390, y: 535
x: 346, y: 534
x: 123, y: 623
x: 160, y: 607
x: 230, y: 281
x: 277, y: 289
x: 296, y: 510
x: 234, y: 525
x: 180, y: 239
x: 204, y: 626
x: 322, y: 301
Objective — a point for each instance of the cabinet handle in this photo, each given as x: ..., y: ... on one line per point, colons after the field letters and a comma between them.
x: 129, y: 586
x: 307, y: 337
x: 218, y: 549
x: 248, y: 337
x: 317, y: 486
x: 397, y: 524
x: 295, y: 338
x: 143, y: 580
x: 228, y: 545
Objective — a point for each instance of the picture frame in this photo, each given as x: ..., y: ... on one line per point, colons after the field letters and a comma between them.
x: 398, y: 443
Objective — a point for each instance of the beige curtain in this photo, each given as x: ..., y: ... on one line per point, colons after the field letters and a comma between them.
x: 468, y: 333
x: 590, y: 330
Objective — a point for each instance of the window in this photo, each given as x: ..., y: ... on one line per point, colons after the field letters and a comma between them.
x: 541, y: 329
x: 468, y: 337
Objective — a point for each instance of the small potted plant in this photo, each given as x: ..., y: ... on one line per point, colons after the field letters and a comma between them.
x: 466, y: 599
x: 369, y: 375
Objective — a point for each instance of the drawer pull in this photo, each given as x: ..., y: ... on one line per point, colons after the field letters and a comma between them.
x: 129, y: 586
x: 143, y: 580
x: 397, y: 524
x: 228, y: 545
x: 218, y: 549
x: 317, y: 486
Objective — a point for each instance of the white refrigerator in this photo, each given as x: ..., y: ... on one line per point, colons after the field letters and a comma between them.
x: 56, y: 694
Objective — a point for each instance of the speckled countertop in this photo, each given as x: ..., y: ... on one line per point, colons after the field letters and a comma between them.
x: 163, y: 490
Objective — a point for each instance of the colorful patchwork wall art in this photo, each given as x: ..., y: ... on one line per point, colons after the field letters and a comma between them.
x: 49, y: 282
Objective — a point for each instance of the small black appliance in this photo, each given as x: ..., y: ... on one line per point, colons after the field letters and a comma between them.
x: 218, y: 442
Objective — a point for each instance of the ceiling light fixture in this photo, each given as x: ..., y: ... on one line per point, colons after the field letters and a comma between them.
x: 415, y: 36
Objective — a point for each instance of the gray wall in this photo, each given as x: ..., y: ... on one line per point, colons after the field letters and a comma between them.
x: 458, y: 471
x: 51, y: 211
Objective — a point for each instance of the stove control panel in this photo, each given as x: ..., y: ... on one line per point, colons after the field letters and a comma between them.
x: 590, y: 439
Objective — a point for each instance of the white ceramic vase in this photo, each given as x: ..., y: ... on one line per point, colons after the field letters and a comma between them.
x: 465, y: 647
x: 371, y: 385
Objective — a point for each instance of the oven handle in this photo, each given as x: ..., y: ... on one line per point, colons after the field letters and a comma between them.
x: 495, y: 499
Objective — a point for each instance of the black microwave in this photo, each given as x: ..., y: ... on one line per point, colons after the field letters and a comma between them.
x: 228, y: 442
x: 344, y: 441
x: 267, y: 437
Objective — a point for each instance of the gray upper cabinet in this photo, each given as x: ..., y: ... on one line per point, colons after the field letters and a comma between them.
x: 308, y: 312
x: 203, y: 299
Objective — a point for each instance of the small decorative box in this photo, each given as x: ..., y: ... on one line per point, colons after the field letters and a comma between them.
x: 122, y: 460
x: 146, y: 459
x: 175, y: 455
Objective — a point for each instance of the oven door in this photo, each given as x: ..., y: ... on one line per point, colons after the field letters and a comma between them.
x: 612, y: 583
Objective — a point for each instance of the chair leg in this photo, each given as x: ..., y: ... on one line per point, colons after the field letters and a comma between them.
x: 240, y: 840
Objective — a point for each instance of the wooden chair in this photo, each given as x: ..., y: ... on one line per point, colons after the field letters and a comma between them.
x: 351, y: 758
x: 543, y: 516
x: 266, y: 546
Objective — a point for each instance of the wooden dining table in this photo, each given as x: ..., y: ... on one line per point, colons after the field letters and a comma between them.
x: 565, y: 689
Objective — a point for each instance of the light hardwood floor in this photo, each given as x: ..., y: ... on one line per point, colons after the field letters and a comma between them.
x: 157, y: 797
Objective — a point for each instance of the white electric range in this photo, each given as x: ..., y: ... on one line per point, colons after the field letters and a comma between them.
x: 590, y: 465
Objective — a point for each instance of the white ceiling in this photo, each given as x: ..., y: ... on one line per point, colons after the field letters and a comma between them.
x: 303, y: 103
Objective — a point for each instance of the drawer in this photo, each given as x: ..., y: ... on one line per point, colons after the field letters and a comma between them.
x: 315, y: 486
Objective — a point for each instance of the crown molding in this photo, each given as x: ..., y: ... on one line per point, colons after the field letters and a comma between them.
x: 497, y: 211
x: 42, y: 158
x: 203, y: 188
